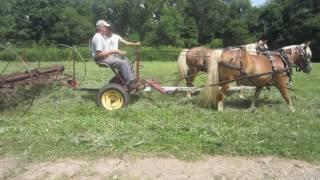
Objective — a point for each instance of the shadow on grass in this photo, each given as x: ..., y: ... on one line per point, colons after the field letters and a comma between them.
x: 21, y: 98
x: 245, y: 103
x: 89, y: 96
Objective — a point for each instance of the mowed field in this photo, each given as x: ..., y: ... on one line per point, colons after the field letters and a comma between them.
x: 66, y: 123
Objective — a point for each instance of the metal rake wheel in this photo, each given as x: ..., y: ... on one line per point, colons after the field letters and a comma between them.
x: 22, y: 79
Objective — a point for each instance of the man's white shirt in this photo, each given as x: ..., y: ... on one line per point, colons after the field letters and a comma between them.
x: 98, y: 43
x: 112, y: 42
x: 104, y: 43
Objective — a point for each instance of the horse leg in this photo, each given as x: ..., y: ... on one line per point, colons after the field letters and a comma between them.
x: 241, y: 96
x: 284, y: 92
x: 220, y: 96
x: 255, y: 97
x: 190, y: 79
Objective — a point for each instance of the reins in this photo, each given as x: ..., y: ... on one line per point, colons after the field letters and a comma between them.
x: 246, y: 77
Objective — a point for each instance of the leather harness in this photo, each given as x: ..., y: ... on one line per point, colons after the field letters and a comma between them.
x: 269, y: 55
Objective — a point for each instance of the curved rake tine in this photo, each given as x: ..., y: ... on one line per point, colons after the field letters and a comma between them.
x: 19, y: 57
x: 43, y: 52
x: 10, y: 97
x: 74, y: 49
x: 71, y: 52
x: 30, y: 104
x: 85, y: 66
x: 4, y: 69
x: 18, y: 70
x: 29, y: 107
x: 24, y: 94
x: 64, y: 45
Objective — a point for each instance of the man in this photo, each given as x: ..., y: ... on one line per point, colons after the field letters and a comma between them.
x: 105, y: 52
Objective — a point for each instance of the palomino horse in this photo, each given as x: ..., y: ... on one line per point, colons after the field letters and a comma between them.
x: 250, y: 70
x: 191, y: 62
x: 195, y: 60
x: 295, y: 52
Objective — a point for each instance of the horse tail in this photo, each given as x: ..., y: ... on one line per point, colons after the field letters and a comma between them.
x: 182, y: 65
x: 209, y: 93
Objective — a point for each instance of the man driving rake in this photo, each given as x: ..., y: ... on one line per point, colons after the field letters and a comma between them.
x: 105, y: 52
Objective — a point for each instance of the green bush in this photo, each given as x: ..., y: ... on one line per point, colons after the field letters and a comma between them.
x: 41, y: 53
x: 59, y: 53
x: 162, y: 53
x: 216, y: 43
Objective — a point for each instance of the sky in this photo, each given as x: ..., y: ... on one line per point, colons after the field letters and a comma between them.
x: 258, y: 2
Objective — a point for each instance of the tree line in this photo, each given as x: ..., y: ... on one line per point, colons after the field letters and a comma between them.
x: 180, y: 23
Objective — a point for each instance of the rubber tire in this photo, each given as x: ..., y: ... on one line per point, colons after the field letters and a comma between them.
x: 113, y: 87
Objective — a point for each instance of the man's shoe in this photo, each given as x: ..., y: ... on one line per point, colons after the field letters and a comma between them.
x: 132, y: 85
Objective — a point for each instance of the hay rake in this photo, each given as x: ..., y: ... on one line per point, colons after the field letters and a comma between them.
x: 20, y: 81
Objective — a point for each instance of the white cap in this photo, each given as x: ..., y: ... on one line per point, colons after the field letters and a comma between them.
x: 102, y: 23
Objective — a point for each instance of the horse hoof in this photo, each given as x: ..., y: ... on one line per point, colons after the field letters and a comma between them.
x: 252, y: 109
x: 242, y: 97
x: 220, y: 106
x: 292, y: 109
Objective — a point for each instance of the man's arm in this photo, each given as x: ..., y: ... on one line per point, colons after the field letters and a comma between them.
x: 128, y: 42
x: 104, y: 54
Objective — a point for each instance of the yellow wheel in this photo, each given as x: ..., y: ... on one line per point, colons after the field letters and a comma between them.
x: 112, y: 100
x: 112, y: 97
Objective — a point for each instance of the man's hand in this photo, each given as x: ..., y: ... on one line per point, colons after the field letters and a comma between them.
x: 138, y: 43
x: 122, y: 52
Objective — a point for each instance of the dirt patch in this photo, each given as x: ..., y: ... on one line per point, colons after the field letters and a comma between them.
x: 218, y: 167
x: 7, y: 164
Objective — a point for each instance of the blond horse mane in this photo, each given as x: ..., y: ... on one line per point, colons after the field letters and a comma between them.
x: 251, y: 48
x: 209, y: 93
x: 182, y: 65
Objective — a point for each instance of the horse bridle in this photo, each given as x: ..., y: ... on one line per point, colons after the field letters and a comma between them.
x: 301, y: 52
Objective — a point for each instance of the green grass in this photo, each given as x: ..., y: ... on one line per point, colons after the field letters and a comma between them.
x: 67, y: 123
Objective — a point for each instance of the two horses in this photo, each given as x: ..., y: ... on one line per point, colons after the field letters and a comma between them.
x: 225, y: 65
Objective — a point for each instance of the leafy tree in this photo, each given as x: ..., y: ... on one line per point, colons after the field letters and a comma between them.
x: 169, y: 27
x: 163, y: 22
x: 71, y: 27
x: 189, y: 32
x: 216, y: 43
x: 7, y: 21
x: 209, y: 16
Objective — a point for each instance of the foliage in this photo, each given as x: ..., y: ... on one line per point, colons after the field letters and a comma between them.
x: 292, y: 22
x: 181, y: 23
x: 59, y: 53
x: 216, y: 43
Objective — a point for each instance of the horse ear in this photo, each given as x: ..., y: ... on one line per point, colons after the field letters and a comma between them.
x: 307, y: 44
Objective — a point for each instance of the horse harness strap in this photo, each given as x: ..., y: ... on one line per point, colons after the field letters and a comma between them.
x: 202, y: 67
x: 236, y: 58
x: 231, y: 65
x: 271, y: 59
x: 288, y: 65
x: 283, y: 57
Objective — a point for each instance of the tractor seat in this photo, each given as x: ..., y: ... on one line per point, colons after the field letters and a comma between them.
x: 102, y: 65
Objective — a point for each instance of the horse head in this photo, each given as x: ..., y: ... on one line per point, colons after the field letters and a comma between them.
x: 304, y: 62
x: 300, y: 56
